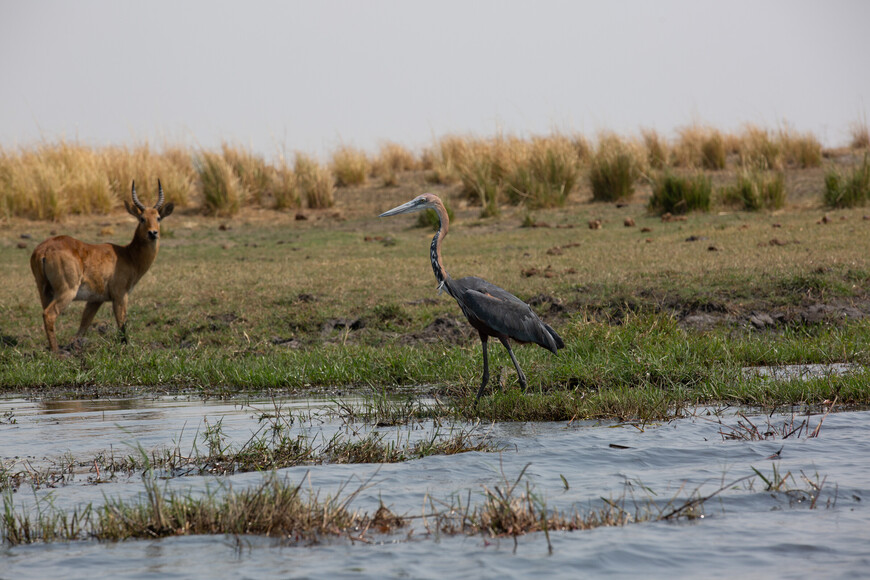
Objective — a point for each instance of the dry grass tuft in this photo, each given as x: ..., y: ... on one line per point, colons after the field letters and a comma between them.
x: 755, y: 190
x: 316, y: 183
x: 860, y: 134
x: 351, y: 166
x: 253, y: 173
x: 800, y: 149
x: 222, y: 191
x: 392, y: 160
x: 700, y: 147
x: 614, y: 168
x: 760, y: 149
x: 658, y: 151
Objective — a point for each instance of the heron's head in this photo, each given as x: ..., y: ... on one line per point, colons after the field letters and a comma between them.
x: 419, y: 203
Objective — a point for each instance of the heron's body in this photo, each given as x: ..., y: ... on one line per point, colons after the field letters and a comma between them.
x: 492, y: 311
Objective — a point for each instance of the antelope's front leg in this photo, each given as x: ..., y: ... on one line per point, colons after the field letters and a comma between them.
x: 119, y: 306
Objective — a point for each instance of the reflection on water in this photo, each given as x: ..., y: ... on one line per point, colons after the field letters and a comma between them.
x: 746, y: 532
x: 802, y: 372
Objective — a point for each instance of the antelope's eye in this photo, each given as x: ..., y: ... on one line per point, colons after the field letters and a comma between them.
x: 141, y: 220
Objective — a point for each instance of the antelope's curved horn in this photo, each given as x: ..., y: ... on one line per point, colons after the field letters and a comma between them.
x: 136, y: 198
x: 160, y: 198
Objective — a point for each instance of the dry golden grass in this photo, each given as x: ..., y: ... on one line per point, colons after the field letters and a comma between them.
x: 350, y: 165
x: 51, y: 181
x: 760, y: 148
x: 393, y: 159
x: 658, y: 150
x: 315, y: 181
x: 800, y: 149
x: 222, y: 191
x: 615, y: 167
x: 699, y: 146
x: 860, y: 135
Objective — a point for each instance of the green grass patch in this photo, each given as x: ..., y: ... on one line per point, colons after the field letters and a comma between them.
x: 678, y: 195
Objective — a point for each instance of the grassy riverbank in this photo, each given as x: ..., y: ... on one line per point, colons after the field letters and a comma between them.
x: 659, y: 314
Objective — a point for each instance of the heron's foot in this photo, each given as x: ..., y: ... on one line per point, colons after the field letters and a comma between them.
x: 480, y: 392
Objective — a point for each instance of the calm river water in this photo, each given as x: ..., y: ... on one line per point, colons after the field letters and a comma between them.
x: 745, y: 532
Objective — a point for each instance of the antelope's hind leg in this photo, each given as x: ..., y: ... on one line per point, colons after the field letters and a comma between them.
x: 50, y: 314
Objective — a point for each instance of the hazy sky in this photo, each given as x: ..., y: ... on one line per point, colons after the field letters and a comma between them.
x: 311, y: 75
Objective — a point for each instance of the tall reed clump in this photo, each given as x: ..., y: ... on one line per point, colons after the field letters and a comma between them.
x: 613, y: 169
x: 658, y: 150
x: 700, y: 147
x: 442, y: 159
x: 222, y: 192
x: 481, y: 177
x: 252, y: 171
x: 392, y: 160
x: 549, y: 172
x: 760, y: 148
x: 174, y: 167
x: 850, y: 189
x: 860, y: 134
x: 351, y: 166
x: 285, y: 186
x: 800, y: 149
x: 678, y: 195
x: 755, y: 190
x: 315, y: 181
x: 54, y: 180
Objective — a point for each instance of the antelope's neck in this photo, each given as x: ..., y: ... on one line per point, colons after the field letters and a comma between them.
x: 142, y: 254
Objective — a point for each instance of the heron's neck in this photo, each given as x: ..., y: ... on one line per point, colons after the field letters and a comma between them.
x: 435, y: 251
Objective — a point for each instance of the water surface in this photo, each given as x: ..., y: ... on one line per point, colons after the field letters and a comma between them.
x: 745, y: 531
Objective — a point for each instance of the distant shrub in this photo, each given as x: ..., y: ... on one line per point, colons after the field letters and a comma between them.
x: 860, y: 135
x: 223, y: 194
x: 675, y: 194
x: 756, y: 190
x: 657, y: 149
x: 699, y: 146
x: 316, y: 183
x: 479, y: 178
x: 800, y: 149
x: 613, y: 170
x: 445, y: 158
x: 285, y: 187
x: 350, y: 166
x: 759, y: 149
x: 850, y: 189
x: 544, y: 176
x: 713, y: 152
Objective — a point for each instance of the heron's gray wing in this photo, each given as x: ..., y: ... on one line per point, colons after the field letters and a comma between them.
x: 503, y: 312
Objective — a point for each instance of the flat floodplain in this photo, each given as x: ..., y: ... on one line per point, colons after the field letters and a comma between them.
x: 661, y: 408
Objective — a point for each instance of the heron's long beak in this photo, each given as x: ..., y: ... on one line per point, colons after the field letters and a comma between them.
x: 411, y: 206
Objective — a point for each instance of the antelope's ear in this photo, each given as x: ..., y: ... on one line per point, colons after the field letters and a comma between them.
x: 132, y: 210
x: 166, y: 210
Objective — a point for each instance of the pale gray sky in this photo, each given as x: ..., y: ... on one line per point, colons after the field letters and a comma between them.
x: 311, y: 75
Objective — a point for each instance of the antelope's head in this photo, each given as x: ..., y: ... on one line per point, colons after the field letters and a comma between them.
x: 149, y: 217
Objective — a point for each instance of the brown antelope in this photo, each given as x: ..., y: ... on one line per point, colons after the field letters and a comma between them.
x: 67, y: 269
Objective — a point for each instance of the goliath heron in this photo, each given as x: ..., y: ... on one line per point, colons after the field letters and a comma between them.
x: 491, y: 310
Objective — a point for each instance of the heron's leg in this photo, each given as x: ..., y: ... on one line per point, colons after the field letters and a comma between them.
x: 483, y: 343
x: 520, y: 374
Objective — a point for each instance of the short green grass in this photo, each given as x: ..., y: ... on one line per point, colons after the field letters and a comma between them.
x: 344, y: 300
